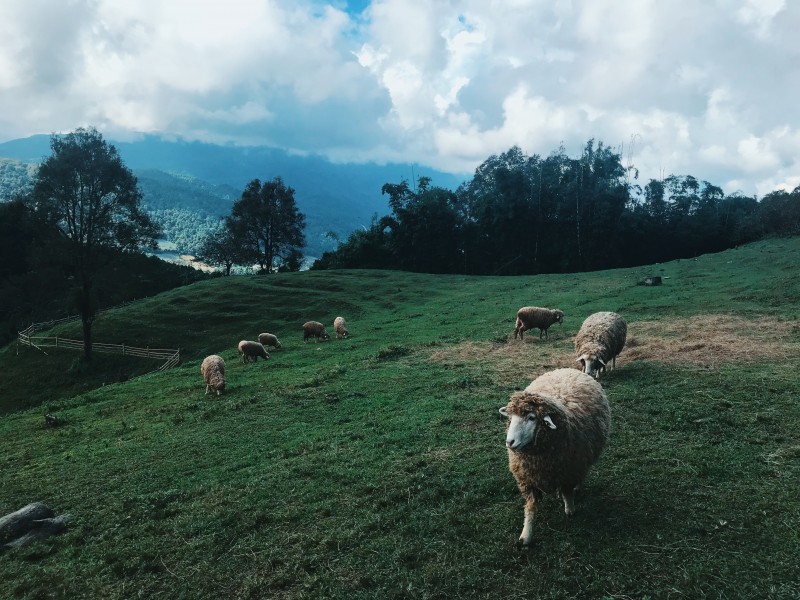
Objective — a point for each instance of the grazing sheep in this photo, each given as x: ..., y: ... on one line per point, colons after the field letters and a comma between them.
x: 340, y: 327
x: 251, y: 350
x: 557, y: 429
x: 267, y: 339
x: 213, y: 370
x: 316, y: 330
x: 600, y: 339
x: 529, y: 317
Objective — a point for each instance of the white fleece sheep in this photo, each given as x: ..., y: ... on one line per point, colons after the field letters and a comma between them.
x: 557, y: 428
x: 530, y: 317
x: 213, y: 370
x: 316, y: 330
x: 340, y: 327
x: 268, y: 339
x: 600, y: 339
x: 251, y: 351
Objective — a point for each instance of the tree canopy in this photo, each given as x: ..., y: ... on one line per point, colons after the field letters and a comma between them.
x: 267, y: 226
x: 85, y: 192
x: 524, y: 214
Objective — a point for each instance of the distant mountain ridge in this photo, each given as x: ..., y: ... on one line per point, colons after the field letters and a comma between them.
x: 205, y: 179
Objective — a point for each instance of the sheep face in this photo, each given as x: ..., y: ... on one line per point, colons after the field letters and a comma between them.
x: 522, y: 429
x: 591, y: 364
x: 559, y: 316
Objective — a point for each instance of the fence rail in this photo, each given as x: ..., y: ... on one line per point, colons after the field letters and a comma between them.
x: 28, y: 337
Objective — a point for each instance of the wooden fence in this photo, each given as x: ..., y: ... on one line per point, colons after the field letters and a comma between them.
x: 29, y: 337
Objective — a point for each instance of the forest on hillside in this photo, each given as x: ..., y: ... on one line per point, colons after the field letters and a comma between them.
x: 523, y: 214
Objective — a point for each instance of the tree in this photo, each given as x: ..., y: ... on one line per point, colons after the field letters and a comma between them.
x: 268, y: 226
x: 86, y: 191
x: 219, y: 249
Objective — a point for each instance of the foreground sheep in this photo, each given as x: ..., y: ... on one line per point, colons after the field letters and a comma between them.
x: 316, y: 330
x: 340, y: 327
x: 600, y: 339
x: 557, y: 429
x: 251, y: 350
x: 213, y: 370
x: 530, y: 317
x: 267, y: 339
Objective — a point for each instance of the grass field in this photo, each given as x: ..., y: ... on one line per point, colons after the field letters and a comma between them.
x: 374, y: 467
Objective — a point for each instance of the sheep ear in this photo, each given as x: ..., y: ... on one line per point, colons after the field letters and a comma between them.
x: 549, y: 422
x: 504, y: 411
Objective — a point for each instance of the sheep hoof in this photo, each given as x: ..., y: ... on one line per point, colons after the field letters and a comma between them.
x: 525, y: 544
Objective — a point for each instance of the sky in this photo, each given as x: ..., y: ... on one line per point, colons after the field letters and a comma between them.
x: 709, y: 88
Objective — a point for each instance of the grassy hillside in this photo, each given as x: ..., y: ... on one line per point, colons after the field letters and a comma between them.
x: 374, y: 467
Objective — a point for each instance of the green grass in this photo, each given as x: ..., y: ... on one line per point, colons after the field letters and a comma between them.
x: 374, y: 467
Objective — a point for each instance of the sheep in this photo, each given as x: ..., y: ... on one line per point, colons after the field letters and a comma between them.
x: 529, y: 317
x: 557, y: 428
x: 600, y: 339
x: 213, y: 370
x: 251, y: 350
x: 316, y: 330
x: 267, y: 339
x: 340, y: 327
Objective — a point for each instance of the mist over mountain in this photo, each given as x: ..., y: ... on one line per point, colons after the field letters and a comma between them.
x: 194, y: 183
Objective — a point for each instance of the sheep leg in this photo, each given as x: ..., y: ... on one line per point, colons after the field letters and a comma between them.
x: 568, y: 495
x: 207, y: 388
x: 531, y: 498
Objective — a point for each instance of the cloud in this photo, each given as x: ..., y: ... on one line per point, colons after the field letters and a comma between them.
x: 701, y: 88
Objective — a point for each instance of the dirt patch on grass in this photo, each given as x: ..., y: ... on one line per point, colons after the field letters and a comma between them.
x: 704, y: 340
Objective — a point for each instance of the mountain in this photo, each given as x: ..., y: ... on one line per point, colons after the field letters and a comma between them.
x: 205, y: 179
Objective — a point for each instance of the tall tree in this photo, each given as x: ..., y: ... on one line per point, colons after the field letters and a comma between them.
x: 87, y: 192
x: 268, y: 225
x: 219, y: 249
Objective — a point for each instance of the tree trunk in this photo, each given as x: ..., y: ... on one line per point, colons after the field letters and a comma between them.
x: 20, y: 522
x: 87, y: 337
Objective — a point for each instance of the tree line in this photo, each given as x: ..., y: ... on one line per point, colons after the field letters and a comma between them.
x: 524, y: 214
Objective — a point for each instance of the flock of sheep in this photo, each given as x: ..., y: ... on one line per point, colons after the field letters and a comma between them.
x: 213, y: 366
x: 559, y: 424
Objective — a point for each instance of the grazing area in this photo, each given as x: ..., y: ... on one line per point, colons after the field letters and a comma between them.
x: 375, y: 466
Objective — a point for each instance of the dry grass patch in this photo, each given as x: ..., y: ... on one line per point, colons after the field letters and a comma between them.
x: 704, y: 340
x: 711, y: 339
x: 509, y: 361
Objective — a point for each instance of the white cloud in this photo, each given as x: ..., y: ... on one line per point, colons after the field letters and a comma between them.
x: 701, y: 88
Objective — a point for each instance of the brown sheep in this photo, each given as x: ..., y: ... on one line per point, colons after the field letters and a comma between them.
x: 557, y: 428
x: 316, y: 330
x: 340, y: 327
x: 213, y: 370
x: 251, y: 350
x: 529, y: 317
x: 600, y: 339
x: 267, y: 339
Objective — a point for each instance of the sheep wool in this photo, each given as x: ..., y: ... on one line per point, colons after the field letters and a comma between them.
x: 558, y: 427
x: 251, y: 351
x: 267, y: 339
x: 340, y: 327
x: 600, y: 339
x: 530, y: 317
x: 316, y: 330
x: 213, y: 370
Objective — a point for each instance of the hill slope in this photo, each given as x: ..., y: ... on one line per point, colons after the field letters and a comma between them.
x: 374, y: 466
